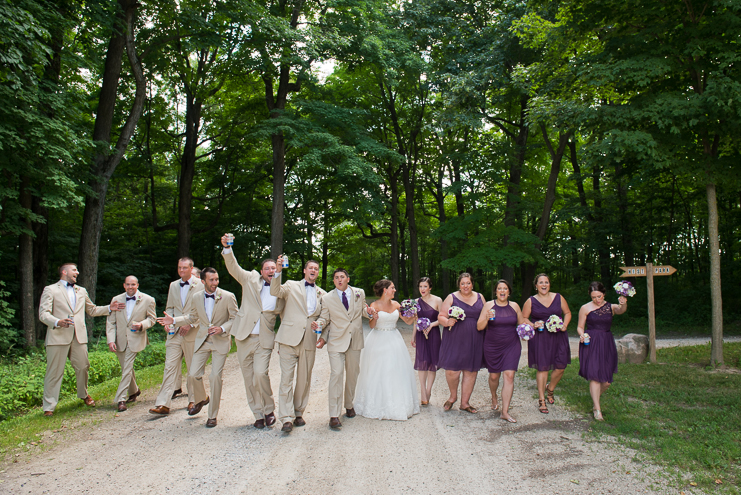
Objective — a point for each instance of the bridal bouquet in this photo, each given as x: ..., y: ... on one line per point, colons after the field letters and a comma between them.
x: 424, y: 326
x: 409, y: 308
x: 525, y: 331
x: 457, y: 313
x: 554, y: 323
x: 625, y: 289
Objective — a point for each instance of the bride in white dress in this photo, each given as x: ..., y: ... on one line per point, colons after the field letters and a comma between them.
x: 387, y: 387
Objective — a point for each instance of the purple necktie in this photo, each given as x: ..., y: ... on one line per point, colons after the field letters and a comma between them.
x: 344, y: 301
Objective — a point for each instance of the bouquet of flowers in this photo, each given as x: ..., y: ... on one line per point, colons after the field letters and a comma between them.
x: 424, y: 326
x: 625, y: 288
x: 525, y: 331
x: 554, y: 323
x: 409, y: 308
x: 457, y: 313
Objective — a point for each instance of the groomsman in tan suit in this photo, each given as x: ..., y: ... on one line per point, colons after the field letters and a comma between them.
x: 62, y: 309
x: 212, y: 313
x: 126, y: 331
x: 254, y: 334
x: 180, y: 340
x: 342, y: 324
x: 296, y: 340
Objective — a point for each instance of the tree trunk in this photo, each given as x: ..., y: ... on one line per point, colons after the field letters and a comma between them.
x: 188, y: 171
x: 716, y: 346
x: 106, y: 161
x: 40, y: 260
x: 409, y: 189
x: 279, y: 170
x: 440, y: 197
x: 394, y: 259
x: 25, y: 268
x: 325, y: 246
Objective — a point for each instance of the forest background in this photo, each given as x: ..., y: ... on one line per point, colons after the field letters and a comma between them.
x: 395, y: 139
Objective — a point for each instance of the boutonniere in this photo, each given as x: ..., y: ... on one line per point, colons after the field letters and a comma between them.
x: 218, y: 297
x: 77, y: 289
x: 138, y: 298
x: 357, y: 295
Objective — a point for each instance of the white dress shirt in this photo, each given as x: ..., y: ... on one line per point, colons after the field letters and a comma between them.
x: 130, y: 303
x: 310, y: 297
x: 268, y: 303
x: 71, y: 294
x: 185, y: 288
x: 209, y: 304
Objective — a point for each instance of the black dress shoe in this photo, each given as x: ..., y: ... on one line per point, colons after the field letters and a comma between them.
x: 350, y: 413
x: 197, y: 407
x: 122, y: 406
x: 299, y: 421
x: 260, y: 423
x: 335, y: 423
x: 133, y: 396
x: 211, y: 423
x: 287, y: 427
x: 270, y: 419
x: 177, y: 392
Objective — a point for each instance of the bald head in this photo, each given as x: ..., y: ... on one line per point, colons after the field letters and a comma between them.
x: 131, y: 285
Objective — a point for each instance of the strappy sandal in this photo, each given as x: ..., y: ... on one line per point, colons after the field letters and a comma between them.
x: 449, y: 405
x: 494, y: 407
x: 470, y: 409
x: 549, y: 393
x: 598, y: 415
x: 542, y: 407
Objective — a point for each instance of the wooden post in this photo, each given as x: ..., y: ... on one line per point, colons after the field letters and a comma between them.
x: 651, y: 313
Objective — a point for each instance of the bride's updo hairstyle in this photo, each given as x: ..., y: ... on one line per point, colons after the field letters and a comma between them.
x: 380, y: 286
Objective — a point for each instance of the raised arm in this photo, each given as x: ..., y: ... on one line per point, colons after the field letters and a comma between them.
x: 93, y: 310
x: 276, y: 289
x: 618, y: 309
x: 483, y: 320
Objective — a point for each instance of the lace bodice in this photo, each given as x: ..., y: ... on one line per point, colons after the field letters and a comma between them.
x: 387, y: 321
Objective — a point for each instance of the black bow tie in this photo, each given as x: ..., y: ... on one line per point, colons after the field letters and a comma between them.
x: 266, y: 284
x: 183, y: 284
x: 212, y: 296
x: 70, y: 284
x: 130, y: 298
x: 307, y: 284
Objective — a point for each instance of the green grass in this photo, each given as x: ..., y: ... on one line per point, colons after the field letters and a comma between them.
x: 679, y: 414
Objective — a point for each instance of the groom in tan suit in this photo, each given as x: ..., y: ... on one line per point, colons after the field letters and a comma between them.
x: 296, y: 340
x: 254, y: 334
x: 341, y: 320
x: 213, y: 310
x: 62, y: 309
x: 126, y: 331
x: 180, y: 340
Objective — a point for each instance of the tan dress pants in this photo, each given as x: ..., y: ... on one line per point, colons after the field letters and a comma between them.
x: 56, y: 358
x: 254, y: 362
x: 198, y: 369
x: 128, y: 385
x: 292, y: 401
x: 342, y: 363
x: 176, y: 349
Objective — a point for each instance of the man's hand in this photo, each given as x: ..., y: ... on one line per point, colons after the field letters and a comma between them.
x: 185, y: 329
x: 223, y: 241
x: 112, y: 347
x: 136, y: 326
x: 66, y: 323
x: 166, y: 320
x: 314, y: 325
x: 215, y: 330
x: 117, y: 306
x: 320, y: 343
x: 278, y: 265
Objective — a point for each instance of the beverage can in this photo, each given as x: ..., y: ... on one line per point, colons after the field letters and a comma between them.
x: 492, y: 314
x: 318, y: 330
x: 586, y: 339
x: 229, y: 239
x: 285, y: 261
x: 541, y: 327
x: 71, y: 317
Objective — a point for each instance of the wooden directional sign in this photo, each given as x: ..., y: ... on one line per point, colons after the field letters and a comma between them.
x: 640, y: 271
x: 649, y: 271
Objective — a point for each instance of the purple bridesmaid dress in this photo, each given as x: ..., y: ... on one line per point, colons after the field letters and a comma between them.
x: 547, y: 350
x: 598, y: 360
x: 428, y: 349
x: 462, y: 347
x: 502, y: 347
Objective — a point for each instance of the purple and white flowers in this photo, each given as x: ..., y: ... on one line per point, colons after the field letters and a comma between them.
x: 525, y: 331
x: 409, y: 308
x: 457, y: 313
x: 424, y: 326
x: 625, y: 288
x: 554, y: 324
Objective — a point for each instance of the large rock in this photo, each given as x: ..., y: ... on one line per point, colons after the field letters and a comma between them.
x: 632, y: 348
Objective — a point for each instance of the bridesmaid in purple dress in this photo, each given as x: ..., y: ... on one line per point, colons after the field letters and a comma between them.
x: 502, y: 347
x: 547, y: 350
x: 598, y: 359
x: 462, y: 347
x: 428, y: 348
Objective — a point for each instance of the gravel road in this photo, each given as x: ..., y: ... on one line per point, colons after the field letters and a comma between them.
x: 433, y: 452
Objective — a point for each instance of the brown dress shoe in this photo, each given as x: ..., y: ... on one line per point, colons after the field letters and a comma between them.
x: 260, y: 423
x: 89, y: 401
x: 122, y: 406
x: 176, y: 393
x: 48, y: 413
x: 133, y: 396
x: 299, y: 421
x: 211, y: 423
x: 190, y: 406
x: 160, y: 410
x: 287, y: 427
x: 197, y: 408
x: 350, y: 413
x: 270, y: 419
x: 335, y: 423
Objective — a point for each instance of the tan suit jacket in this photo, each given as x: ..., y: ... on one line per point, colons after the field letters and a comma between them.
x: 118, y: 328
x: 225, y: 309
x: 251, y: 308
x: 175, y: 305
x: 55, y: 305
x: 343, y: 328
x: 295, y: 320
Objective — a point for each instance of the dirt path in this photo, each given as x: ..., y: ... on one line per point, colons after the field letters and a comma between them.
x: 433, y: 452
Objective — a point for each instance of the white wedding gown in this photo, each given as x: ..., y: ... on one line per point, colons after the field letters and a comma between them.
x: 387, y: 388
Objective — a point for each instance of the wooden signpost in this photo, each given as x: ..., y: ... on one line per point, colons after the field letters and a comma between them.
x: 649, y: 271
